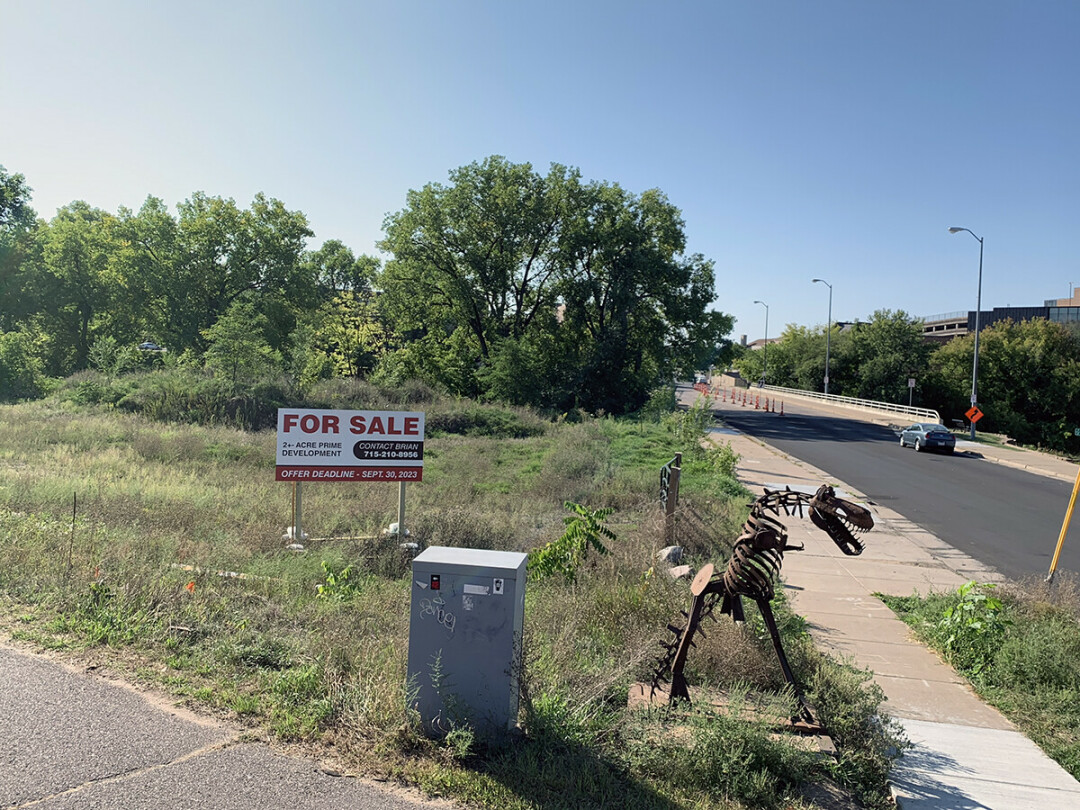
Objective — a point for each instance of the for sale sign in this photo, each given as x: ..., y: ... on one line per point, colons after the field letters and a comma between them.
x: 325, y: 445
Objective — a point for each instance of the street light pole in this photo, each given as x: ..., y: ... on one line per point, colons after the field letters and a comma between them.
x: 978, y: 313
x: 828, y: 333
x: 765, y: 348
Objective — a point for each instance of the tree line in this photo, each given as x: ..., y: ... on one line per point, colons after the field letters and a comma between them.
x: 505, y: 283
x: 1029, y: 372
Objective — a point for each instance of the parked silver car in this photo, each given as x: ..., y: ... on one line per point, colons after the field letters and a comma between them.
x: 928, y: 436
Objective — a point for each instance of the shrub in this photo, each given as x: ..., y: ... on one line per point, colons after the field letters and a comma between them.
x: 496, y: 422
x: 564, y: 556
x: 689, y: 426
x: 21, y: 372
x: 972, y: 628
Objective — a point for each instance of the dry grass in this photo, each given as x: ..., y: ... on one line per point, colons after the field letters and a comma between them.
x: 331, y: 667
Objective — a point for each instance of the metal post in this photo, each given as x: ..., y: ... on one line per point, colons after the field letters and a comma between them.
x: 1064, y: 529
x: 765, y: 348
x: 975, y: 364
x: 828, y: 338
x: 298, y: 509
x: 978, y: 313
x: 828, y: 333
x: 401, y: 512
x: 670, y: 495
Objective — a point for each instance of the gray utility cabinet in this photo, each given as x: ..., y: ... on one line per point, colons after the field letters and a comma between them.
x: 465, y: 624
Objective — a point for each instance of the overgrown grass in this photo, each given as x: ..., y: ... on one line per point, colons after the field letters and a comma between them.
x: 116, y: 532
x: 1020, y: 649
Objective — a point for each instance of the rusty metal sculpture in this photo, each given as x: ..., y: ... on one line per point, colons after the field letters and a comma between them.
x: 752, y: 572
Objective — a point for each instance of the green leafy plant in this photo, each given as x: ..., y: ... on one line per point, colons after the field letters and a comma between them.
x: 338, y: 584
x: 972, y: 628
x: 661, y: 402
x: 584, y: 530
x: 689, y: 426
x: 723, y: 459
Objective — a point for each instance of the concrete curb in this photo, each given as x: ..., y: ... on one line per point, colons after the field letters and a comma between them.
x: 1031, y: 468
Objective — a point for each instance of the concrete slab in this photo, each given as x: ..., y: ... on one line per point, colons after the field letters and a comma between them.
x: 897, y: 550
x: 888, y: 569
x: 809, y: 563
x: 841, y: 584
x: 888, y: 659
x: 962, y: 768
x: 938, y: 701
x: 851, y: 628
x: 76, y: 741
x: 812, y: 601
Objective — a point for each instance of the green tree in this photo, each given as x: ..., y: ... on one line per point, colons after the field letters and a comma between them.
x: 636, y: 305
x: 508, y: 272
x: 335, y: 269
x: 21, y: 371
x: 148, y: 261
x: 1029, y: 381
x: 348, y: 328
x: 479, y: 254
x: 17, y: 223
x: 795, y: 360
x: 78, y: 283
x: 237, y: 348
x: 223, y: 252
x: 881, y: 355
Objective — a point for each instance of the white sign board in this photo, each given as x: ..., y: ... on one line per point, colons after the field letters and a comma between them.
x: 325, y: 445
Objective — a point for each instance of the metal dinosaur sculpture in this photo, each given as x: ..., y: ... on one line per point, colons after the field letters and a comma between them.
x: 752, y: 572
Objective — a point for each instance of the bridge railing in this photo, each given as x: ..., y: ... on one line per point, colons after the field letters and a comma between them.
x: 916, y: 414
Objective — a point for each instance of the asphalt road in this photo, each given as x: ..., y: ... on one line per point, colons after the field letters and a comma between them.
x: 72, y: 740
x: 1005, y: 518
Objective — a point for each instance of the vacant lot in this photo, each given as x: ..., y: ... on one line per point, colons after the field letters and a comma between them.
x: 115, y: 531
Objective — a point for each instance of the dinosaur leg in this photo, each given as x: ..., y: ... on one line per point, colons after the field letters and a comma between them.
x: 732, y: 605
x: 805, y: 712
x: 686, y: 641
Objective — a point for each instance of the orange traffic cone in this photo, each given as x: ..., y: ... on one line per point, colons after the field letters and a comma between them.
x: 781, y: 407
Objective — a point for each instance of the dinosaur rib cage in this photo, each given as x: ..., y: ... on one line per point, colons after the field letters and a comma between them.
x: 751, y: 573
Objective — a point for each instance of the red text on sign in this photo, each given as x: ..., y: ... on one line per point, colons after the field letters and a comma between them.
x: 390, y: 426
x: 310, y: 423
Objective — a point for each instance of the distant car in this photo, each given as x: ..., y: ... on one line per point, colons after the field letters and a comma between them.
x: 928, y: 436
x: 149, y: 347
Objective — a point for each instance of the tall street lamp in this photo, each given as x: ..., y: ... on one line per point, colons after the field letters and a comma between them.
x: 978, y: 312
x: 765, y: 348
x: 828, y: 332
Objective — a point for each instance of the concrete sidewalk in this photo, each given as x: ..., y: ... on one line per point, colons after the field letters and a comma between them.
x: 965, y: 754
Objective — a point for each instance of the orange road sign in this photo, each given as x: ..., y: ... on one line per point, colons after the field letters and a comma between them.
x: 974, y: 414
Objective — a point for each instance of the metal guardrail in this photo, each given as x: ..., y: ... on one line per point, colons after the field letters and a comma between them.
x: 920, y: 414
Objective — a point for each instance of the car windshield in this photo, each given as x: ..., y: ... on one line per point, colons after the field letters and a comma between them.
x: 936, y: 429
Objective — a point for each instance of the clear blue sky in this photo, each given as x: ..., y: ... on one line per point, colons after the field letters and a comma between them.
x: 800, y: 138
